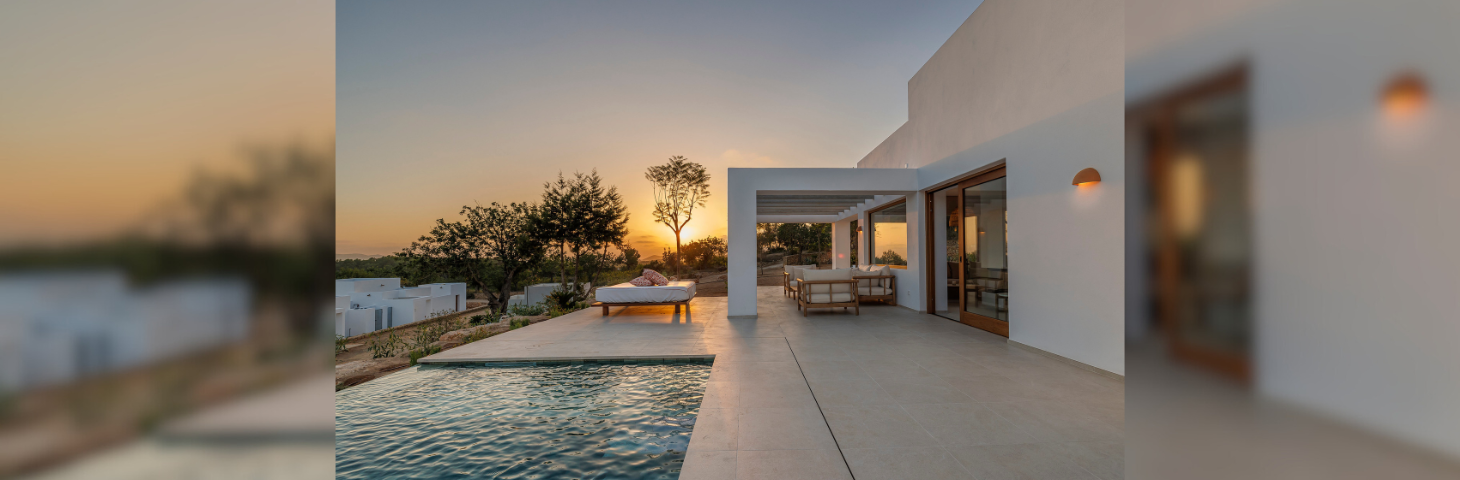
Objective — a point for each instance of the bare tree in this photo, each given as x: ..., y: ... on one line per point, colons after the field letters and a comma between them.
x: 679, y: 186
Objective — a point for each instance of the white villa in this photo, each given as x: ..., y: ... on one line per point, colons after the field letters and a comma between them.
x: 1274, y: 196
x: 973, y: 195
x: 364, y: 305
x: 56, y: 328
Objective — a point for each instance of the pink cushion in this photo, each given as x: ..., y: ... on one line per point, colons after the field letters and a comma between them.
x: 640, y: 281
x: 655, y: 277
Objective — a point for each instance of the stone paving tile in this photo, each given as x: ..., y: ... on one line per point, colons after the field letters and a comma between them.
x: 888, y: 394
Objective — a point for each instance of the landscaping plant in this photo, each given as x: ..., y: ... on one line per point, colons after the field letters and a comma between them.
x: 384, y: 347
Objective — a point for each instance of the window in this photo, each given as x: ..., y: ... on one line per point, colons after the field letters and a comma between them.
x: 853, y: 236
x: 887, y: 243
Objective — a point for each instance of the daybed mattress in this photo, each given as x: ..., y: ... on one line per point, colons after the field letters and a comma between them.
x: 676, y: 291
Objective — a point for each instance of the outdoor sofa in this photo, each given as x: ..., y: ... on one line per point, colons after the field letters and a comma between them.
x: 876, y: 282
x: 828, y: 289
x: 791, y: 279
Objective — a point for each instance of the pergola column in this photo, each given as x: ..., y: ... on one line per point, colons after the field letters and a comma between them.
x: 740, y: 239
x: 841, y: 243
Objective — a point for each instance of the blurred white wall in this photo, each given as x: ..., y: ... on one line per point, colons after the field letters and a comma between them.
x: 1357, y: 269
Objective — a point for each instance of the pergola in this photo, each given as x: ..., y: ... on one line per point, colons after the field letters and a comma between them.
x: 801, y: 195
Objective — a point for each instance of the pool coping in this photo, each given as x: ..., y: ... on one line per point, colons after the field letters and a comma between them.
x: 519, y: 361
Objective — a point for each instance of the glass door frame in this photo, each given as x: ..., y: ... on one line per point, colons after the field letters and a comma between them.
x: 991, y: 325
x: 1157, y: 120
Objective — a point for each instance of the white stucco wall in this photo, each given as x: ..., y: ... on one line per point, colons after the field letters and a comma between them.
x: 1011, y: 64
x: 1357, y: 270
x: 1037, y: 85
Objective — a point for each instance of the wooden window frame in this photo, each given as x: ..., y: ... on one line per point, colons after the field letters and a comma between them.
x: 1156, y: 118
x: 871, y: 228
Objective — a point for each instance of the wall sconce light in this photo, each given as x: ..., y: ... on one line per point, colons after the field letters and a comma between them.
x: 859, y: 229
x: 1086, y: 177
x: 1404, y: 95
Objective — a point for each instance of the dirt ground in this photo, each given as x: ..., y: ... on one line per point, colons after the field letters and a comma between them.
x: 355, y: 365
x: 715, y: 286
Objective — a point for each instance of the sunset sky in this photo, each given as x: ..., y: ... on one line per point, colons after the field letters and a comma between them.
x: 108, y: 108
x: 443, y: 104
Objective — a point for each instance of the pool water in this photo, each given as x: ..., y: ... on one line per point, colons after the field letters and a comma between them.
x: 580, y: 421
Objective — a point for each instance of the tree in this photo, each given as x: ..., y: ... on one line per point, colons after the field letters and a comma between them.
x: 628, y: 257
x: 703, y: 253
x: 679, y: 186
x: 582, y: 218
x: 503, y: 233
x: 891, y: 258
x: 489, y: 248
x: 765, y: 238
x: 803, y: 237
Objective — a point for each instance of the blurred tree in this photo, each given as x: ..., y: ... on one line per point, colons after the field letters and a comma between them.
x: 628, y: 257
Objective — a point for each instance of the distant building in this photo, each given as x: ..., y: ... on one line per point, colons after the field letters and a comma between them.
x: 58, y: 327
x: 364, y: 305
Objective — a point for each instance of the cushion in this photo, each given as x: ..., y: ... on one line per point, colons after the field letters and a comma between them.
x: 874, y: 291
x: 640, y: 281
x: 828, y: 297
x: 836, y: 274
x: 655, y: 277
x: 873, y: 271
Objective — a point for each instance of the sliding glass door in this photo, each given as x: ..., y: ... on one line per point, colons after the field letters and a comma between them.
x: 985, y: 245
x: 970, y: 234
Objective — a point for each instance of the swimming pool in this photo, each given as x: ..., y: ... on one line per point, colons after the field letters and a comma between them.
x: 572, y: 421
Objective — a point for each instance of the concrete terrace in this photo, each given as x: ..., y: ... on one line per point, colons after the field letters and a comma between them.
x: 888, y: 394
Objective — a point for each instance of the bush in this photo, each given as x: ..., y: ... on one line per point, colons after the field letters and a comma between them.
x: 385, y: 347
x: 527, y: 310
x: 419, y: 354
x: 339, y: 344
x: 519, y: 323
x: 485, y: 319
x: 561, y: 298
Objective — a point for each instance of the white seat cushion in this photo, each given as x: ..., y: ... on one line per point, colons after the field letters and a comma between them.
x: 874, y: 291
x: 829, y: 297
x: 823, y: 275
x: 795, y: 283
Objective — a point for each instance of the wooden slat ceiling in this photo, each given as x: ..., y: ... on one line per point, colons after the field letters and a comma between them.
x: 806, y: 204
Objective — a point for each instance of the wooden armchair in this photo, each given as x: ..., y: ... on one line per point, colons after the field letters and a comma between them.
x: 828, y: 289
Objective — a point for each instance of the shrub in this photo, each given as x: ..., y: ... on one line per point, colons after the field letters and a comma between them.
x: 383, y: 347
x: 419, y: 354
x: 561, y: 298
x: 339, y: 344
x: 527, y: 310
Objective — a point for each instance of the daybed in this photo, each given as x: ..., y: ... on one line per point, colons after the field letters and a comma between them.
x: 678, y: 292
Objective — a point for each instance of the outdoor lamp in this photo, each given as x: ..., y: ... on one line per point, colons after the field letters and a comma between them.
x: 1086, y: 176
x: 1404, y: 95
